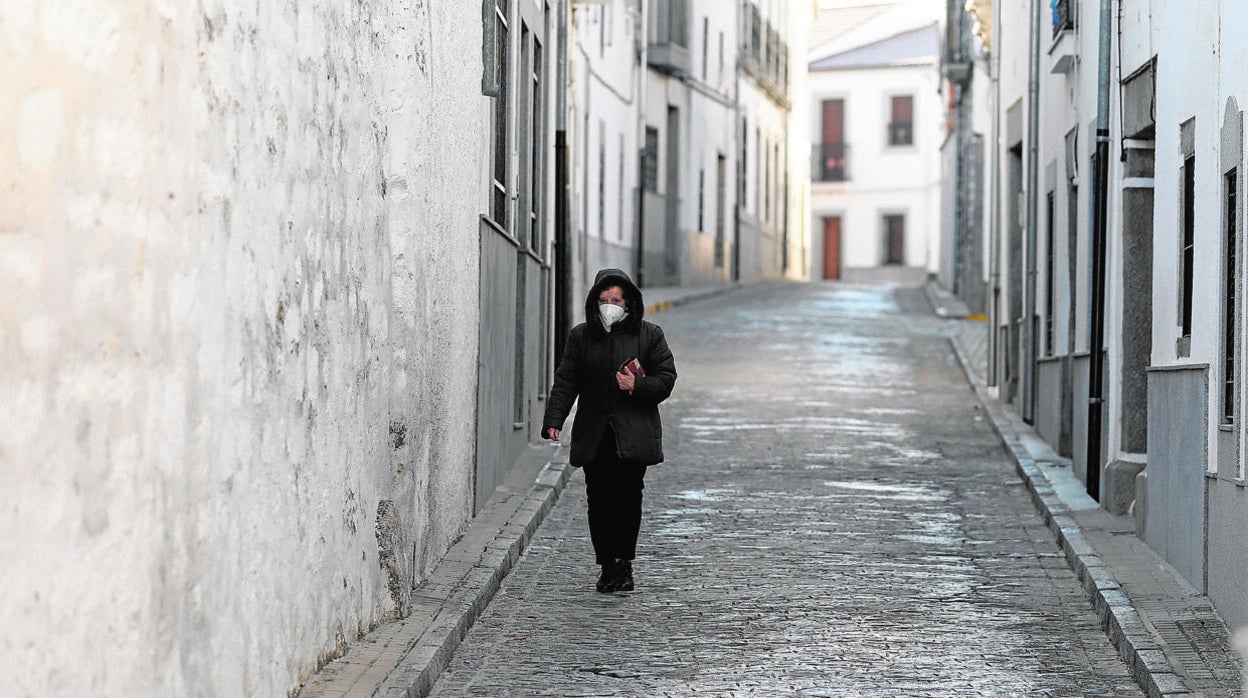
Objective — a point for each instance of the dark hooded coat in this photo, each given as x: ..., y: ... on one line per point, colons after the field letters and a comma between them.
x: 591, y: 358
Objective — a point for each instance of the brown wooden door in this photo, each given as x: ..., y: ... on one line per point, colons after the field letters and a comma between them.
x: 832, y: 248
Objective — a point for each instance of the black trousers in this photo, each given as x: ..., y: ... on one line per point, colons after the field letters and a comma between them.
x: 614, y: 490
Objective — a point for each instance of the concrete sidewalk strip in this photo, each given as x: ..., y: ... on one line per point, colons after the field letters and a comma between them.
x: 1145, y: 608
x: 405, y: 658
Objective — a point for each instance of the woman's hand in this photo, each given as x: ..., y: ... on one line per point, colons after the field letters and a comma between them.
x: 626, y: 380
x: 552, y: 434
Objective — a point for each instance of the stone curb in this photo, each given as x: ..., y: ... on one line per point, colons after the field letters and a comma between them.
x: 946, y: 305
x: 462, y: 608
x: 1136, y: 645
x: 660, y: 306
x: 447, y: 604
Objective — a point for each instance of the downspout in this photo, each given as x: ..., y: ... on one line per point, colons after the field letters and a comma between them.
x: 562, y: 186
x: 738, y: 193
x: 640, y: 60
x: 994, y: 225
x: 1096, y: 344
x: 1028, y: 359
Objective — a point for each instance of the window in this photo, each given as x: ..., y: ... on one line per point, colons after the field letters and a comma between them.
x: 1063, y: 15
x: 498, y: 202
x: 721, y: 59
x: 668, y: 23
x: 901, y: 128
x: 758, y: 171
x: 701, y: 198
x: 756, y: 27
x: 1187, y: 250
x: 743, y: 164
x: 775, y: 168
x: 766, y: 159
x: 894, y: 239
x: 537, y: 102
x: 602, y: 179
x: 619, y: 207
x: 720, y: 214
x: 706, y: 34
x: 1230, y: 274
x: 650, y: 166
x: 830, y: 152
x: 1049, y: 252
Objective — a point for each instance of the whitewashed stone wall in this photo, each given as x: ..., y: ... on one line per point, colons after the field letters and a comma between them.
x: 238, y: 281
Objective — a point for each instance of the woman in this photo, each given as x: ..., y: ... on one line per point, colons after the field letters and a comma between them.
x: 617, y: 432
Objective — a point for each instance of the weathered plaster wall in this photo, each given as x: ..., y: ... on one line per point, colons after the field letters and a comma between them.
x: 237, y: 314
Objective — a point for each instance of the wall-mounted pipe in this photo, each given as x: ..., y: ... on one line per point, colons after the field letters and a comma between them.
x: 1100, y: 185
x: 994, y: 225
x: 1028, y: 359
x: 563, y: 260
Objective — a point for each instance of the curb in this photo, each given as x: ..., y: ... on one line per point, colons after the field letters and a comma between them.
x: 1136, y: 645
x: 946, y: 305
x: 406, y: 657
x: 660, y: 306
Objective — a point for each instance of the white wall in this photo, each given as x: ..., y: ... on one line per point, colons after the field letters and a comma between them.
x: 605, y: 95
x: 709, y: 132
x: 1189, y: 82
x: 238, y: 246
x: 882, y: 179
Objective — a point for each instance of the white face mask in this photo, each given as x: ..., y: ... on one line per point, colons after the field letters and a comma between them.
x: 611, y: 314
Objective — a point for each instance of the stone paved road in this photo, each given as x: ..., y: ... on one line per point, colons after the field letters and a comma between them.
x: 836, y: 518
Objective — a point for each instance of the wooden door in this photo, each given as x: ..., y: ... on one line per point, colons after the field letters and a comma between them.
x: 832, y: 248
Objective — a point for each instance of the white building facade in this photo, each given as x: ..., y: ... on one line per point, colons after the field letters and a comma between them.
x: 1171, y: 443
x: 606, y: 101
x: 717, y: 173
x: 242, y: 254
x: 875, y: 135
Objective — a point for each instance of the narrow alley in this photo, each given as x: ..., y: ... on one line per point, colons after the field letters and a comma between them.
x: 835, y: 517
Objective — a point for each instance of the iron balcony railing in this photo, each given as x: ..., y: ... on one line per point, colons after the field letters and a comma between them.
x: 901, y: 133
x: 1063, y: 15
x: 830, y: 162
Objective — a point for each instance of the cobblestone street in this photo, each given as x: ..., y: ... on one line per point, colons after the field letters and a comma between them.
x: 835, y: 517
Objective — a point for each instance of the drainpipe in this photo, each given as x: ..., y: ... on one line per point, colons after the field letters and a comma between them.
x: 1096, y: 375
x: 1028, y: 406
x: 640, y: 41
x: 994, y: 226
x: 563, y: 269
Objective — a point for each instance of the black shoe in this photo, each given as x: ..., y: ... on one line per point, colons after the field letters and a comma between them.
x: 624, y: 578
x: 609, y: 578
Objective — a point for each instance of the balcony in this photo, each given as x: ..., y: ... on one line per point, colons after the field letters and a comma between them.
x: 829, y: 162
x: 1063, y: 15
x: 765, y: 55
x: 668, y: 37
x: 901, y: 133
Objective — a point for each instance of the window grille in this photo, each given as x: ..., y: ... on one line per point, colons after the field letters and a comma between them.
x: 1189, y: 243
x: 650, y: 166
x: 1230, y: 274
x: 830, y: 162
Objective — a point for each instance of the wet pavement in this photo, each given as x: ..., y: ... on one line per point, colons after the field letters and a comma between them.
x: 836, y: 517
